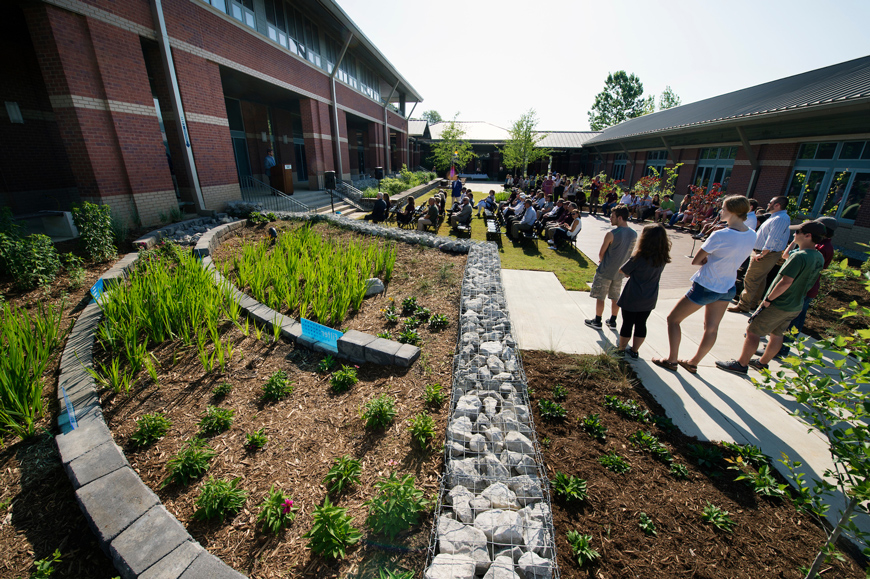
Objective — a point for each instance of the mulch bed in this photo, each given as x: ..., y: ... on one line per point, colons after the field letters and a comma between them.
x: 771, y: 539
x: 823, y: 317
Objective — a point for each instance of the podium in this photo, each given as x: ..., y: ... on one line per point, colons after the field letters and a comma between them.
x: 282, y: 179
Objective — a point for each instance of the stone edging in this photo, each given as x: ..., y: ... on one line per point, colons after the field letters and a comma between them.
x: 153, y: 238
x: 493, y: 515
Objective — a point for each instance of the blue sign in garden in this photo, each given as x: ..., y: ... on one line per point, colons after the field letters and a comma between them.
x: 320, y: 333
x: 97, y: 290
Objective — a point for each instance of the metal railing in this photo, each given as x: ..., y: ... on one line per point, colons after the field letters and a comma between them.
x: 350, y: 194
x: 255, y: 191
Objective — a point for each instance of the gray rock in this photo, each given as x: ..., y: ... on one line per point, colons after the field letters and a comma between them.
x: 490, y: 407
x: 460, y: 429
x: 374, y: 286
x: 467, y: 406
x: 533, y: 566
x: 501, y: 527
x: 517, y: 442
x: 502, y: 568
x: 500, y: 496
x: 527, y: 489
x: 464, y: 472
x: 490, y: 348
x: 495, y: 365
x: 492, y: 468
x: 456, y: 492
x: 535, y: 529
x: 456, y: 449
x: 478, y: 505
x: 477, y: 443
x: 456, y: 538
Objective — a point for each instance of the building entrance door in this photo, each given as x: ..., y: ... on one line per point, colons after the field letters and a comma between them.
x: 240, y: 150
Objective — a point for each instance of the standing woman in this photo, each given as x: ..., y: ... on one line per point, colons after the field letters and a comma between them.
x: 641, y: 292
x: 713, y: 284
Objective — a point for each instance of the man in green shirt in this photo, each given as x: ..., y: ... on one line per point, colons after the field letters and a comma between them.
x: 784, y: 299
x: 665, y: 210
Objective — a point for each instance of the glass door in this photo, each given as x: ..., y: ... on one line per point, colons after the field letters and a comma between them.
x: 857, y: 194
x: 836, y: 192
x: 804, y: 190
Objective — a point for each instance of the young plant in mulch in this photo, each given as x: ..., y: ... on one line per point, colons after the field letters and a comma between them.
x: 396, y: 506
x: 189, y: 464
x: 150, y: 428
x: 570, y: 488
x: 647, y: 525
x: 432, y: 395
x: 219, y: 499
x: 591, y: 424
x: 559, y: 392
x: 717, y: 517
x: 422, y: 429
x: 332, y: 532
x: 216, y: 420
x: 409, y: 337
x: 679, y: 471
x: 749, y: 453
x: 256, y: 440
x: 44, y: 568
x: 438, y: 322
x: 581, y: 546
x: 412, y: 324
x: 409, y: 306
x: 344, y: 473
x: 277, y: 387
x: 277, y: 511
x: 630, y: 409
x: 327, y: 364
x: 342, y: 380
x: 397, y: 574
x: 651, y: 444
x: 551, y: 411
x: 614, y: 462
x: 385, y: 335
x: 379, y: 412
x: 762, y: 482
x: 222, y: 390
x: 707, y: 457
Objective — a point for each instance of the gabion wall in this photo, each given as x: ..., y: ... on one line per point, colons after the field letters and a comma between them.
x: 493, y: 517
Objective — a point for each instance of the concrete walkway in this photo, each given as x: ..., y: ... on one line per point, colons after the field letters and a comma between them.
x: 712, y: 404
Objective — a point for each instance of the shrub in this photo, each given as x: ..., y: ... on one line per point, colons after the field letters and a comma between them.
x: 277, y: 387
x: 569, y: 488
x: 343, y: 379
x: 256, y: 440
x: 422, y: 429
x: 30, y: 261
x: 345, y: 472
x: 551, y: 411
x: 581, y: 545
x: 150, y: 428
x: 94, y: 223
x: 189, y: 464
x: 219, y: 499
x: 379, y: 413
x: 73, y: 266
x: 276, y: 511
x: 396, y: 506
x: 332, y: 532
x: 216, y: 420
x: 432, y: 395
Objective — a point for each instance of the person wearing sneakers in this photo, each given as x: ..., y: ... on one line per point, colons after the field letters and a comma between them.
x: 783, y: 301
x: 614, y: 252
x: 712, y: 285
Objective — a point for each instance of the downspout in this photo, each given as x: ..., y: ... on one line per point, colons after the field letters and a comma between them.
x: 177, y: 106
x: 409, y: 135
x: 387, y: 130
x: 336, y: 134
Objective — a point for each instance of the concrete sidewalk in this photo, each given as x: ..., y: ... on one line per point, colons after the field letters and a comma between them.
x: 712, y: 404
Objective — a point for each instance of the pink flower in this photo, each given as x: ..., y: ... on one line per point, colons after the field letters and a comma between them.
x: 288, y: 505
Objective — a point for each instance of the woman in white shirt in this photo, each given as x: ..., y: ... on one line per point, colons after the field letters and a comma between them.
x: 713, y: 284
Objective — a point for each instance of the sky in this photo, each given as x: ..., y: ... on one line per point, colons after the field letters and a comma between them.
x: 494, y: 60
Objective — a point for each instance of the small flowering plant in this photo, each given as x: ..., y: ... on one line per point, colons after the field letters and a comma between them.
x: 277, y: 511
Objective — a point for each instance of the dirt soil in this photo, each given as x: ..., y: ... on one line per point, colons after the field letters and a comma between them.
x: 770, y: 539
x: 823, y: 319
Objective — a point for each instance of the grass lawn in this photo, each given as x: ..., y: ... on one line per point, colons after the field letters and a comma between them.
x: 572, y: 268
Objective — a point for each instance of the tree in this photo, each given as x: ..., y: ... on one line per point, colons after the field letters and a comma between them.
x: 451, y: 148
x: 432, y: 116
x: 668, y: 99
x: 522, y: 146
x: 621, y: 99
x: 649, y: 105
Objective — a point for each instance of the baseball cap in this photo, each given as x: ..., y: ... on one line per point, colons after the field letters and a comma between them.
x: 813, y: 227
x: 829, y: 222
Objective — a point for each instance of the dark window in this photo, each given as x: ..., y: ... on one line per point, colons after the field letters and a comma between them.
x: 852, y: 150
x: 234, y: 115
x: 826, y: 150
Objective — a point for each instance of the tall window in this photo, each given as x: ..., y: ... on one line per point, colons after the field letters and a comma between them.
x: 830, y: 179
x: 619, y: 162
x: 243, y: 11
x: 715, y: 166
x: 276, y: 25
x: 657, y: 160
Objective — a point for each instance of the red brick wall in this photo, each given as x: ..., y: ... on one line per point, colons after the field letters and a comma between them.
x: 315, y: 121
x: 773, y: 179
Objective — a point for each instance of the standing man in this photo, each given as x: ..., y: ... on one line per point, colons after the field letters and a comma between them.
x: 614, y: 252
x: 772, y: 240
x: 268, y: 163
x: 456, y: 189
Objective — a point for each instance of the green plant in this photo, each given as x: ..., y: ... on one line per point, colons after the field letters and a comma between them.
x: 559, y: 392
x: 614, y: 462
x: 438, y: 322
x: 570, y: 488
x: 396, y: 506
x: 422, y: 313
x: 664, y: 423
x: 750, y: 453
x: 387, y: 574
x: 256, y: 440
x: 592, y: 425
x: 222, y: 390
x: 705, y: 456
x: 326, y: 364
x: 277, y: 511
x: 216, y: 420
x: 175, y: 214
x: 551, y: 411
x: 277, y: 387
x: 77, y: 273
x: 718, y: 518
x: 44, y: 568
x: 432, y: 395
x: 679, y: 471
x: 409, y: 337
x: 189, y: 464
x: 271, y: 216
x: 422, y: 429
x: 581, y: 546
x: 256, y: 218
x: 30, y: 261
x: 332, y: 532
x: 94, y: 223
x: 651, y: 444
x: 647, y: 525
x: 629, y: 408
x: 150, y: 428
x: 412, y: 324
x: 391, y: 316
x: 385, y: 335
x: 219, y: 498
x: 762, y: 482
x: 379, y: 412
x: 343, y: 379
x: 344, y: 473
x: 409, y: 306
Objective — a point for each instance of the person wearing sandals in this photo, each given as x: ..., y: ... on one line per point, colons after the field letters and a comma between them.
x: 713, y: 284
x: 607, y: 282
x: 644, y: 271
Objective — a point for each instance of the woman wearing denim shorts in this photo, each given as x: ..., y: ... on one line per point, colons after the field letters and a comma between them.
x: 713, y: 284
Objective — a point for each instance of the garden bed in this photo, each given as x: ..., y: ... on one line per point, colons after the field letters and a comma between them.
x: 825, y: 316
x: 769, y: 539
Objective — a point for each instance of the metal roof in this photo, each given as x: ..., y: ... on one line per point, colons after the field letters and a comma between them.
x: 566, y: 139
x: 846, y: 82
x: 474, y: 131
x: 418, y: 128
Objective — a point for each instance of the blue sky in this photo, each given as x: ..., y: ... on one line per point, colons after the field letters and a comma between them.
x: 492, y: 61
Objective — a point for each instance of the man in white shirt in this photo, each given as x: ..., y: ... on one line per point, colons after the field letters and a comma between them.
x: 772, y: 239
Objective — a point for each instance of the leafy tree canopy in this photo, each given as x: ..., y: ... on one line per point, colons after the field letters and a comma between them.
x: 522, y: 146
x: 432, y: 116
x: 452, y: 148
x: 668, y: 99
x: 621, y: 99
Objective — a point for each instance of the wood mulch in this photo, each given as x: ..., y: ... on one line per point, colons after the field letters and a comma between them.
x: 825, y: 316
x: 771, y: 539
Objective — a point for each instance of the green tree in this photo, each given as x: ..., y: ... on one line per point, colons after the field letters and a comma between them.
x: 668, y: 99
x: 621, y: 99
x: 649, y: 105
x: 432, y: 116
x: 522, y: 146
x: 452, y: 148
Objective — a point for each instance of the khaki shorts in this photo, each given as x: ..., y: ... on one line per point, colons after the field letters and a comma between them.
x: 603, y: 288
x: 773, y: 321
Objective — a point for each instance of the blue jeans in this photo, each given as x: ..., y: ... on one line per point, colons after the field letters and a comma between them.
x: 674, y: 218
x: 798, y: 323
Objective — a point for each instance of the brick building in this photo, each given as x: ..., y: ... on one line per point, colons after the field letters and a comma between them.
x: 95, y: 90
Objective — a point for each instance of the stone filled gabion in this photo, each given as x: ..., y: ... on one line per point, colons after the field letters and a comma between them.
x: 494, y: 517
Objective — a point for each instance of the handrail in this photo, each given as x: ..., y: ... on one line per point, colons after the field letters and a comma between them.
x: 350, y: 194
x: 255, y: 191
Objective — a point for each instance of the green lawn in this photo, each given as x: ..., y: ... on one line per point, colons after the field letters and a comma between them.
x: 572, y: 268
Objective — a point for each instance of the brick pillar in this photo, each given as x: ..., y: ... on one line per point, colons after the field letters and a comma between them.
x: 376, y: 146
x: 343, y: 143
x: 318, y: 142
x: 401, y: 156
